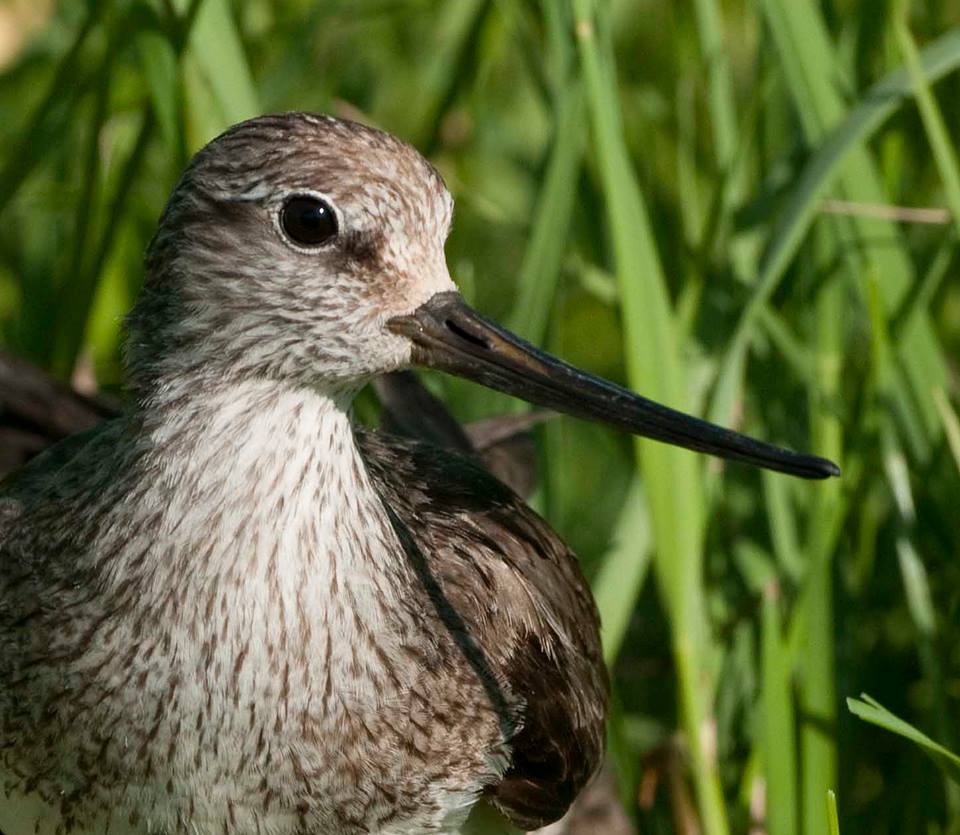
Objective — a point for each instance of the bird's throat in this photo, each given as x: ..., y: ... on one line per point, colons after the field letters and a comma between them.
x: 292, y: 541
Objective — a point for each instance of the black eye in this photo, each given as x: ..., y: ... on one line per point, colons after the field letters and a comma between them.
x: 308, y: 220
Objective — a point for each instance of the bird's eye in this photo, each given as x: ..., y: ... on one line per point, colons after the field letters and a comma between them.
x: 308, y: 221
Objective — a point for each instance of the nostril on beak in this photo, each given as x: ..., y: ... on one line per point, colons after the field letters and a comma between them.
x: 474, y: 339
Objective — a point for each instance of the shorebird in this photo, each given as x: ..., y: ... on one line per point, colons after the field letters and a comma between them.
x: 229, y: 610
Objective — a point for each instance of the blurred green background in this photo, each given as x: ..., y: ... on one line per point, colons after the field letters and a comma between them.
x: 708, y: 200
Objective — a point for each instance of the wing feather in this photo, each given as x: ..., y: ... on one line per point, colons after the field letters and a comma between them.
x: 518, y: 591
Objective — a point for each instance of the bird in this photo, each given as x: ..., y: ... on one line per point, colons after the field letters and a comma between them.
x: 231, y: 610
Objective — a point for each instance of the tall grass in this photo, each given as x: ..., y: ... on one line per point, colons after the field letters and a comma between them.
x: 640, y: 187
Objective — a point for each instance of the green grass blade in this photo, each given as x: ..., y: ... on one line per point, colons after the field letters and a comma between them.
x: 951, y: 424
x: 783, y: 525
x: 216, y: 45
x: 720, y: 95
x: 78, y: 290
x: 219, y: 85
x: 672, y: 477
x: 801, y: 209
x: 160, y: 66
x: 913, y: 572
x: 540, y: 270
x: 723, y: 119
x: 818, y: 696
x: 779, y: 741
x: 832, y: 817
x: 796, y: 354
x: 445, y: 63
x: 918, y: 302
x: 688, y: 187
x: 623, y: 571
x: 49, y: 121
x: 933, y: 122
x: 872, y: 711
x: 83, y: 285
x: 917, y: 587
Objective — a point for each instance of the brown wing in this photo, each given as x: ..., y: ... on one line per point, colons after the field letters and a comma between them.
x: 518, y: 592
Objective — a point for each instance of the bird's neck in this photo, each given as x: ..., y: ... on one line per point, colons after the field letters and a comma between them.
x: 249, y: 439
x: 268, y: 547
x: 248, y: 421
x: 263, y: 485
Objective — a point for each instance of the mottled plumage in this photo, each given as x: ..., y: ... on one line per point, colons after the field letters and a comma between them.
x: 513, y: 596
x: 226, y: 610
x: 325, y: 683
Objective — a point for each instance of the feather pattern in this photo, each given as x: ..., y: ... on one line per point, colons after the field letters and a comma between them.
x: 518, y: 592
x: 243, y: 615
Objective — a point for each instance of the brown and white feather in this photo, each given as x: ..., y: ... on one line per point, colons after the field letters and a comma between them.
x: 226, y: 611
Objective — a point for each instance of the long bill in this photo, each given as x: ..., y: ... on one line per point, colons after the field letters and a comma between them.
x: 450, y: 336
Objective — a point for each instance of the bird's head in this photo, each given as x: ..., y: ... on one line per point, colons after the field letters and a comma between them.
x: 287, y: 245
x: 309, y: 250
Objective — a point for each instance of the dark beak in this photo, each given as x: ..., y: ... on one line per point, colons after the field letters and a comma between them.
x: 448, y: 335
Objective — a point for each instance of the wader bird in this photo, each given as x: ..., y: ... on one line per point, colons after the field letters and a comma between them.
x: 229, y: 610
